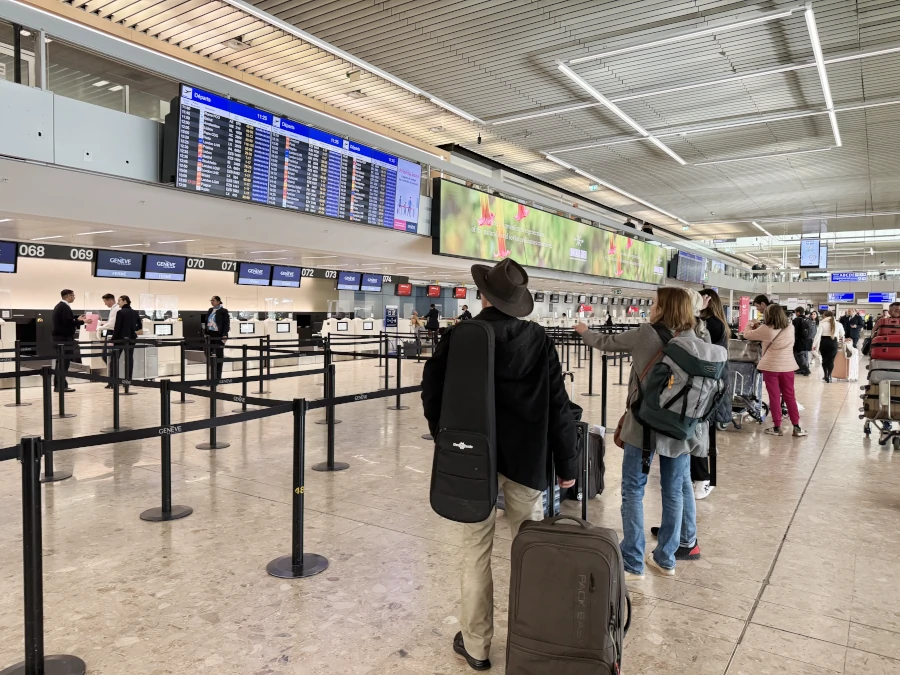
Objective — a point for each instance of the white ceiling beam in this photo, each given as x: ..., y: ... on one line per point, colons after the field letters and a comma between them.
x: 823, y: 74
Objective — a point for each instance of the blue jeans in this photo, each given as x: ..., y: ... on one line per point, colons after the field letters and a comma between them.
x: 679, y: 518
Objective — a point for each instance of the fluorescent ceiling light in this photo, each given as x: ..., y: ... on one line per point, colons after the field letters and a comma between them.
x: 712, y: 30
x: 767, y: 156
x: 542, y: 113
x: 56, y: 236
x: 82, y: 234
x: 462, y: 113
x: 176, y: 241
x: 281, y: 250
x: 618, y: 112
x: 629, y: 195
x: 101, y: 83
x: 118, y: 87
x: 761, y: 228
x: 563, y: 164
x: 270, y: 259
x: 5, y: 220
x: 820, y: 67
x: 127, y: 245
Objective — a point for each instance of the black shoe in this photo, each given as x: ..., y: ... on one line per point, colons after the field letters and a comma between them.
x: 799, y: 372
x: 654, y: 531
x: 68, y: 390
x: 685, y: 553
x: 109, y: 386
x: 460, y: 649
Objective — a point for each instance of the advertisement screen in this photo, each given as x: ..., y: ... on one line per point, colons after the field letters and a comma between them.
x: 8, y: 253
x: 404, y: 289
x: 371, y: 283
x: 118, y: 264
x: 434, y: 291
x: 348, y: 281
x: 460, y: 292
x: 809, y: 253
x: 468, y: 223
x: 253, y: 274
x: 164, y: 267
x: 286, y: 277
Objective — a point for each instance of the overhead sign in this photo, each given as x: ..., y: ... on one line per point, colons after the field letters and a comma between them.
x: 849, y: 276
x: 841, y: 297
x: 882, y: 297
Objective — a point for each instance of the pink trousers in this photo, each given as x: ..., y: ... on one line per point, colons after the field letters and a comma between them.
x: 781, y: 385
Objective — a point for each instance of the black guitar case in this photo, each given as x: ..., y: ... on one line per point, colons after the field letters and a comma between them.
x: 464, y: 472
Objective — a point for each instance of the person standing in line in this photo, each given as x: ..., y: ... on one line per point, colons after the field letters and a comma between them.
x: 777, y: 366
x: 672, y: 311
x: 856, y: 324
x: 466, y: 314
x: 845, y: 322
x: 218, y: 323
x: 804, y: 333
x: 127, y: 324
x: 534, y: 422
x: 431, y: 320
x: 63, y: 327
x: 828, y: 337
x: 110, y: 301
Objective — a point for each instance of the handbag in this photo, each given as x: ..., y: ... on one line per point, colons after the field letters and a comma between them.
x: 617, y: 436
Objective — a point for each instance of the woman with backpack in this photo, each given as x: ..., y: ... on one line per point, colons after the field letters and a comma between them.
x: 671, y: 316
x: 777, y: 366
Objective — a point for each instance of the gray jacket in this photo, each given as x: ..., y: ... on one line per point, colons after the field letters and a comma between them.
x: 644, y: 345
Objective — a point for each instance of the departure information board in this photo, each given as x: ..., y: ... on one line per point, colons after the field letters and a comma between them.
x: 232, y: 150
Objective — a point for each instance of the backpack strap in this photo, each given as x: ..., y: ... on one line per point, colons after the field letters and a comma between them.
x: 665, y: 335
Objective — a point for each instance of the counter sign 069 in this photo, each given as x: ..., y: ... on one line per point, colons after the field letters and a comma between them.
x: 55, y: 252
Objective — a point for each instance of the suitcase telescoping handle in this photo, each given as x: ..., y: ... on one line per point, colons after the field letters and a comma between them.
x: 556, y: 519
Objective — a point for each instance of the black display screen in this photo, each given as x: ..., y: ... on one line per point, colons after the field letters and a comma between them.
x: 8, y: 256
x: 286, y: 277
x: 253, y: 274
x: 118, y: 264
x: 348, y: 281
x: 371, y: 283
x: 164, y: 267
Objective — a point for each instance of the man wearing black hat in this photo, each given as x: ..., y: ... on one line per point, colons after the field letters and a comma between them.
x: 533, y: 419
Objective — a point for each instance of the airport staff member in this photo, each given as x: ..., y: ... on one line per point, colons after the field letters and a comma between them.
x: 63, y: 327
x: 466, y: 314
x: 110, y: 301
x: 128, y: 323
x: 217, y: 325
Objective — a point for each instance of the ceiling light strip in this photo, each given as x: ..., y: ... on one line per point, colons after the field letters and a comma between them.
x: 616, y: 110
x: 712, y: 30
x: 772, y: 155
x: 820, y: 67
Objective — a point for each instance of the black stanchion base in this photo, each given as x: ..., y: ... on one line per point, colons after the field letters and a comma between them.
x: 64, y: 417
x: 398, y: 407
x: 587, y: 394
x: 323, y: 466
x: 326, y: 421
x: 128, y: 393
x: 185, y: 402
x: 16, y: 405
x: 427, y: 437
x: 111, y: 430
x: 218, y: 445
x: 250, y: 408
x: 58, y: 664
x: 283, y: 567
x: 267, y: 391
x: 55, y: 477
x: 157, y: 515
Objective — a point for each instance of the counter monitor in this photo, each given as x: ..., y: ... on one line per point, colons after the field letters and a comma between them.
x: 118, y: 264
x: 368, y: 325
x: 348, y: 281
x: 282, y: 327
x: 539, y: 297
x: 582, y: 299
x: 403, y: 290
x: 247, y: 328
x: 253, y: 274
x: 460, y: 292
x: 604, y: 300
x: 434, y: 292
x: 371, y: 283
x: 164, y: 267
x: 162, y: 329
x: 568, y: 298
x: 8, y: 256
x: 554, y: 297
x: 594, y: 299
x: 343, y: 327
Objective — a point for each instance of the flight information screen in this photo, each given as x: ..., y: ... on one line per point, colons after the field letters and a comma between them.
x: 232, y: 150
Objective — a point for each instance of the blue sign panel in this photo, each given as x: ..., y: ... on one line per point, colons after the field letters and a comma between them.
x: 849, y: 276
x: 8, y: 252
x: 882, y: 297
x: 348, y: 281
x: 391, y: 315
x: 165, y: 267
x: 287, y: 277
x: 253, y: 274
x: 118, y: 264
x: 841, y: 297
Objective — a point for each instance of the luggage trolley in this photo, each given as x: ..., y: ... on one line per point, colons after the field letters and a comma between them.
x: 746, y: 400
x: 881, y: 407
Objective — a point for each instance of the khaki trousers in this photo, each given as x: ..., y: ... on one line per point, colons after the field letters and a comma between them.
x: 477, y: 619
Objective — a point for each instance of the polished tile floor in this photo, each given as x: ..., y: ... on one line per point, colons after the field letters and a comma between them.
x: 798, y: 575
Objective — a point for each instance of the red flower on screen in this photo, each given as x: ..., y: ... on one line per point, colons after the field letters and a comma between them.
x: 487, y: 218
x: 521, y: 212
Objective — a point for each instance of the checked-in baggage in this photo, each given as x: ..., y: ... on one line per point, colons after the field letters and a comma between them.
x: 883, y: 370
x: 886, y: 340
x: 464, y: 470
x: 884, y: 353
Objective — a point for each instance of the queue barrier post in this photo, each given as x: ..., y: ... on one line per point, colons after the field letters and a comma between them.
x: 49, y: 475
x: 166, y: 511
x: 213, y: 444
x: 382, y: 346
x: 115, y: 385
x: 621, y: 365
x: 128, y: 358
x: 578, y: 350
x: 259, y: 364
x: 268, y: 355
x: 61, y: 390
x: 18, y: 366
x: 590, y: 391
x: 182, y: 400
x: 298, y: 564
x: 329, y: 464
x: 397, y: 405
x: 603, y: 391
x: 330, y: 387
x: 35, y: 662
x: 243, y: 407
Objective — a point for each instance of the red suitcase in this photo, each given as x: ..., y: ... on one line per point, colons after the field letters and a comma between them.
x: 886, y: 340
x: 887, y: 321
x: 884, y: 353
x: 888, y: 330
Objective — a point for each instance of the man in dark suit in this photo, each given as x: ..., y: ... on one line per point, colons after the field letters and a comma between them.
x: 128, y: 323
x: 63, y: 331
x: 218, y: 324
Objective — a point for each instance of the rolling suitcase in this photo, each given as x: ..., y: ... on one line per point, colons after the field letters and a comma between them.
x: 883, y: 370
x: 881, y: 401
x: 882, y: 353
x: 597, y: 470
x: 841, y: 370
x: 464, y: 470
x: 569, y: 609
x: 886, y: 340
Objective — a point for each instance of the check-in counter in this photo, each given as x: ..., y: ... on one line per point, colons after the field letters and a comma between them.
x: 168, y: 358
x: 243, y: 333
x: 7, y: 341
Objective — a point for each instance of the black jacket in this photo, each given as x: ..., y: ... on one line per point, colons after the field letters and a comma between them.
x: 533, y: 414
x: 856, y: 325
x: 431, y: 319
x: 801, y: 344
x: 465, y: 316
x: 128, y: 323
x: 64, y: 322
x: 223, y: 322
x: 845, y: 322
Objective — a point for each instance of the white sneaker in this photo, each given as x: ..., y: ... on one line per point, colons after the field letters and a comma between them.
x: 633, y: 576
x: 702, y: 488
x: 659, y: 568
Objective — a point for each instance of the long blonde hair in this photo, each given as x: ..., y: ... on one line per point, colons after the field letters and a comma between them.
x: 834, y: 323
x: 674, y: 308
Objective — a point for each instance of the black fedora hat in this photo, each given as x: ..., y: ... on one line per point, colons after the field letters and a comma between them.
x: 506, y: 287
